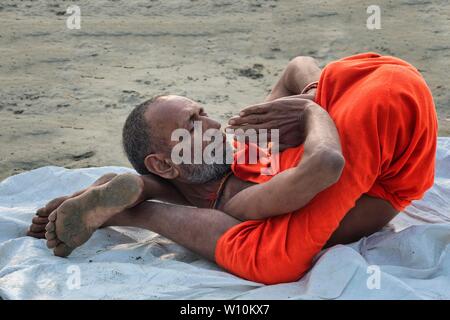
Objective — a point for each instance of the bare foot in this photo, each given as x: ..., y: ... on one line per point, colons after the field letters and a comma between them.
x: 38, y: 223
x: 76, y: 219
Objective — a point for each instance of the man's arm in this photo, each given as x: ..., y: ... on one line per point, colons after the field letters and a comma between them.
x: 299, y: 72
x: 320, y: 167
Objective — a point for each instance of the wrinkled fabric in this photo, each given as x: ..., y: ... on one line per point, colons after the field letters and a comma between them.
x: 386, y: 120
x: 130, y: 263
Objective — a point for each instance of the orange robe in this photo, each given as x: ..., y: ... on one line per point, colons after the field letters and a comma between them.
x: 386, y: 119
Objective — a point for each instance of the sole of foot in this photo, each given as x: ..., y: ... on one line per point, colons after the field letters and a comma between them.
x: 76, y: 219
x: 38, y: 223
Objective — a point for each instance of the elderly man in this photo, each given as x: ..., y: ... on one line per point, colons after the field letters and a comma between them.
x: 357, y: 145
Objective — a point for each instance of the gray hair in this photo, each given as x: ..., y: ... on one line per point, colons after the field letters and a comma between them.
x: 137, y: 140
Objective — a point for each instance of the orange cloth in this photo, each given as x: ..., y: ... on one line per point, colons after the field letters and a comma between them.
x: 387, y: 124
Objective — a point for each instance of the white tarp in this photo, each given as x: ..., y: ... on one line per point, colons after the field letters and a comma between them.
x: 128, y: 263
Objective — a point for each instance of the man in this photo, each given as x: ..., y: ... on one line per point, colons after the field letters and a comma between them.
x: 386, y: 123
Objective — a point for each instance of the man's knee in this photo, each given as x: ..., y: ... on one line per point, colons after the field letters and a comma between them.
x: 301, y: 71
x: 301, y: 60
x: 264, y: 266
x: 250, y: 251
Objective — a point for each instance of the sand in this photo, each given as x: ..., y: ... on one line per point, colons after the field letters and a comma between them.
x: 64, y: 94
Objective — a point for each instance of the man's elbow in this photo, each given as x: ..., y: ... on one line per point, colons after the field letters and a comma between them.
x: 330, y: 163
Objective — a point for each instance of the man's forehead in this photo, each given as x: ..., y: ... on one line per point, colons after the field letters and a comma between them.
x: 171, y: 109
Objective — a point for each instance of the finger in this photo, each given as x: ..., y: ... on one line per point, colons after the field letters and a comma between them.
x: 247, y: 126
x: 256, y: 109
x: 277, y: 119
x: 250, y: 118
x: 275, y: 104
x: 234, y: 120
x: 242, y: 129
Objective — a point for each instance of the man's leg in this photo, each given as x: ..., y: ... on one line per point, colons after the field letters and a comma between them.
x: 387, y: 128
x: 194, y: 228
x: 186, y: 225
x: 38, y: 223
x: 74, y: 222
x: 368, y: 216
x: 300, y: 72
x: 153, y: 185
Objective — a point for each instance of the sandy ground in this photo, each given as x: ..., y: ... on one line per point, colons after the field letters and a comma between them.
x: 64, y: 94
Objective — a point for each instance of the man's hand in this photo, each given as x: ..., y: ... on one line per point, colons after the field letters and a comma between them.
x: 320, y: 167
x: 285, y: 114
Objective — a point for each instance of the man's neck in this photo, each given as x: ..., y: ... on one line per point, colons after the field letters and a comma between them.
x: 200, y: 195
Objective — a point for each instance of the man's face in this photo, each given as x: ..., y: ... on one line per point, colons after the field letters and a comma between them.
x: 175, y: 112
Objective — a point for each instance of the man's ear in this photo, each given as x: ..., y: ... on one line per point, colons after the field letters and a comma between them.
x: 159, y: 165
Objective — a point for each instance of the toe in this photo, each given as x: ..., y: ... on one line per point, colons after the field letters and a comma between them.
x: 55, y: 203
x: 52, y: 216
x: 105, y: 178
x: 50, y: 207
x: 53, y: 243
x: 40, y: 220
x: 37, y: 228
x: 38, y: 235
x: 50, y: 235
x: 62, y: 250
x: 40, y: 211
x: 50, y: 227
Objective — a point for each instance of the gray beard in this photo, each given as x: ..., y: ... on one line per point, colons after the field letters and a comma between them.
x: 209, y: 171
x: 202, y: 173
